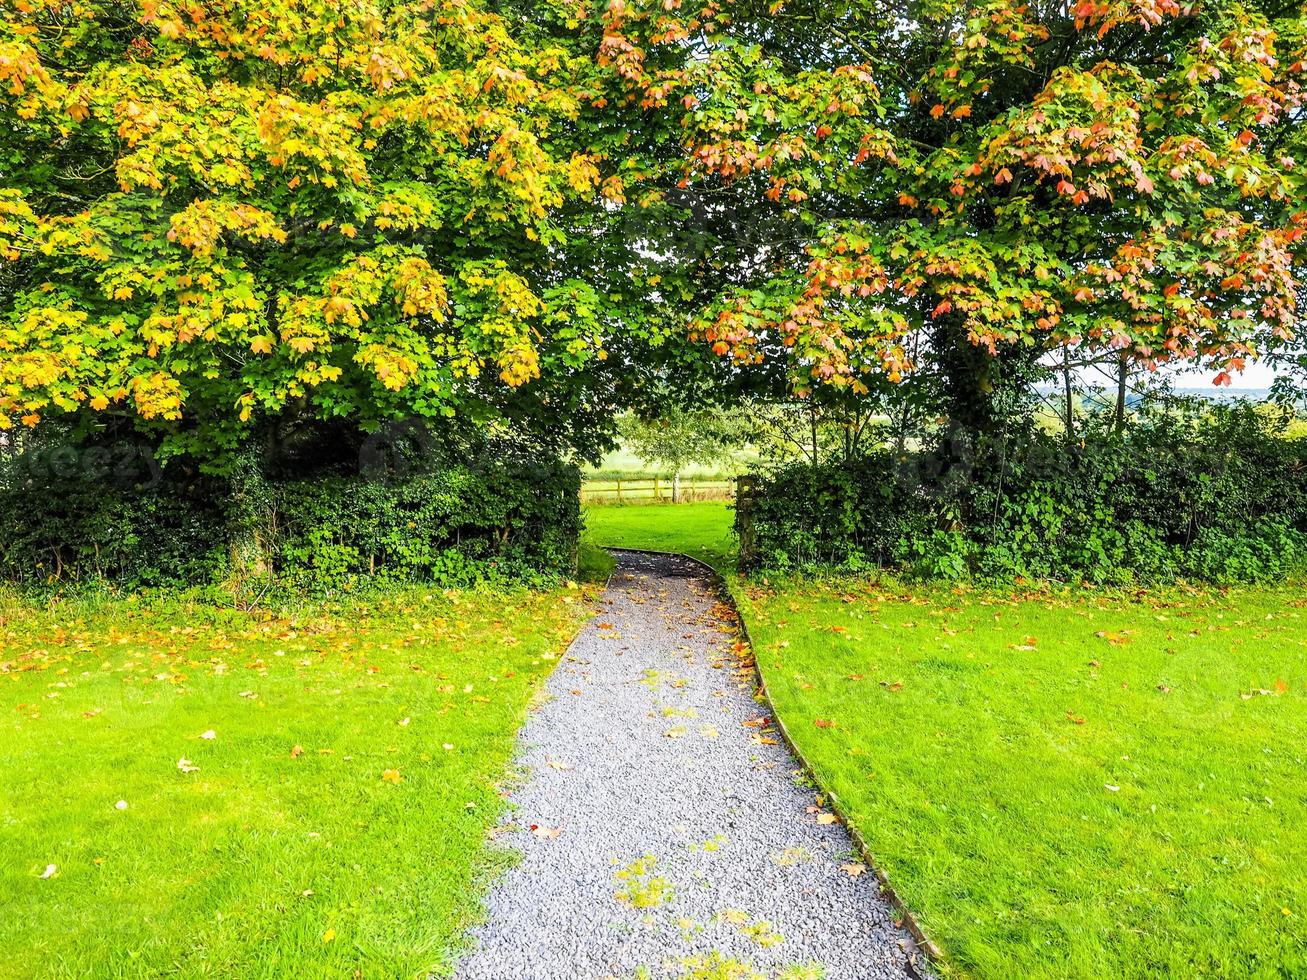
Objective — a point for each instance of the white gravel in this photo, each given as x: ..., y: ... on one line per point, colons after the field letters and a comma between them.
x: 650, y: 744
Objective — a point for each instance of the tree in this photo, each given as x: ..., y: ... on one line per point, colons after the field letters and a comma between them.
x: 677, y: 437
x: 969, y: 186
x: 218, y: 217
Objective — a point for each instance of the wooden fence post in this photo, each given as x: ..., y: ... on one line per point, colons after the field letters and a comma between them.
x: 744, y: 519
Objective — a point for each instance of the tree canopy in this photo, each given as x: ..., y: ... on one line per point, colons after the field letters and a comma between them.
x: 215, y: 214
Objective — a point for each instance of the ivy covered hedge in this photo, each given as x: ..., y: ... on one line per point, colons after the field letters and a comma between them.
x: 1217, y: 495
x: 453, y: 527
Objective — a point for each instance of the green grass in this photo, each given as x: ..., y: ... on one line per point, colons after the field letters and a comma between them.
x: 1063, y: 785
x: 286, y: 853
x: 702, y: 530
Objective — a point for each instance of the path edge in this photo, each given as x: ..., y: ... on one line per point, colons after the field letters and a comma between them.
x: 923, y: 942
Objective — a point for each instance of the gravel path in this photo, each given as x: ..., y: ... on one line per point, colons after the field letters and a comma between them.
x: 664, y: 829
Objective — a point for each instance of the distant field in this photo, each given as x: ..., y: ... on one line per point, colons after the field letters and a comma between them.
x: 625, y: 464
x: 655, y: 490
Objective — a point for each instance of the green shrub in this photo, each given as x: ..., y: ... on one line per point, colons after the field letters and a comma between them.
x: 145, y: 528
x: 454, y: 527
x: 1211, y: 493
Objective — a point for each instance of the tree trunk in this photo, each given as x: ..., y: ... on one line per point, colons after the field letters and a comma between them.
x: 1121, y: 376
x: 676, y: 486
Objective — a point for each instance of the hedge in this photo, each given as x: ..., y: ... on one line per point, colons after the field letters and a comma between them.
x: 1217, y: 494
x: 452, y: 527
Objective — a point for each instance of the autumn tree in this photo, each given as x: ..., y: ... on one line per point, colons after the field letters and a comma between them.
x: 965, y: 188
x: 216, y: 217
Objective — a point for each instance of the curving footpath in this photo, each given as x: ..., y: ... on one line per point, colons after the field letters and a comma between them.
x: 665, y: 830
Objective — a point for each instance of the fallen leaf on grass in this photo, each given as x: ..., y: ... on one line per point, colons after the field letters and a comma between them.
x: 896, y: 686
x: 50, y: 871
x: 1113, y: 789
x: 209, y: 736
x: 823, y: 723
x: 297, y: 751
x: 391, y: 776
x: 1074, y: 718
x: 329, y: 935
x: 186, y: 765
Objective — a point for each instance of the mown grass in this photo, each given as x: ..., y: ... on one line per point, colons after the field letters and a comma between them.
x: 702, y: 530
x: 334, y: 819
x: 1063, y: 784
x: 1058, y: 783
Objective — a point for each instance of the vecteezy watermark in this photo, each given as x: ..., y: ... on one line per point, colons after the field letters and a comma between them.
x: 397, y: 450
x: 402, y: 449
x: 125, y: 465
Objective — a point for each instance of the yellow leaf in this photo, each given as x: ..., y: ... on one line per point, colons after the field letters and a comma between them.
x: 392, y: 776
x: 329, y: 935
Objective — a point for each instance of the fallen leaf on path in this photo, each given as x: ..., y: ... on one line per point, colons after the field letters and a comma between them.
x: 827, y: 818
x: 560, y: 766
x: 546, y: 833
x: 677, y: 732
x: 853, y: 870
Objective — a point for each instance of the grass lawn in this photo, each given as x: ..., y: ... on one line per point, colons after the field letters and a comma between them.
x: 329, y: 816
x: 702, y: 530
x: 1063, y: 785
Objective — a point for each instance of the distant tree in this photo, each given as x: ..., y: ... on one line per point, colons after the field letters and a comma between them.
x: 676, y: 438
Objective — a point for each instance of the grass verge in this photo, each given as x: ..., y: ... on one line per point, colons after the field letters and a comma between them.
x: 190, y: 790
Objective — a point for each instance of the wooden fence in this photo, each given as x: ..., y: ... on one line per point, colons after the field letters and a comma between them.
x: 655, y: 491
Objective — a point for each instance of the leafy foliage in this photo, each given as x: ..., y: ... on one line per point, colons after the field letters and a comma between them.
x: 677, y: 437
x: 454, y: 526
x: 968, y: 183
x: 1207, y: 494
x: 214, y: 216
